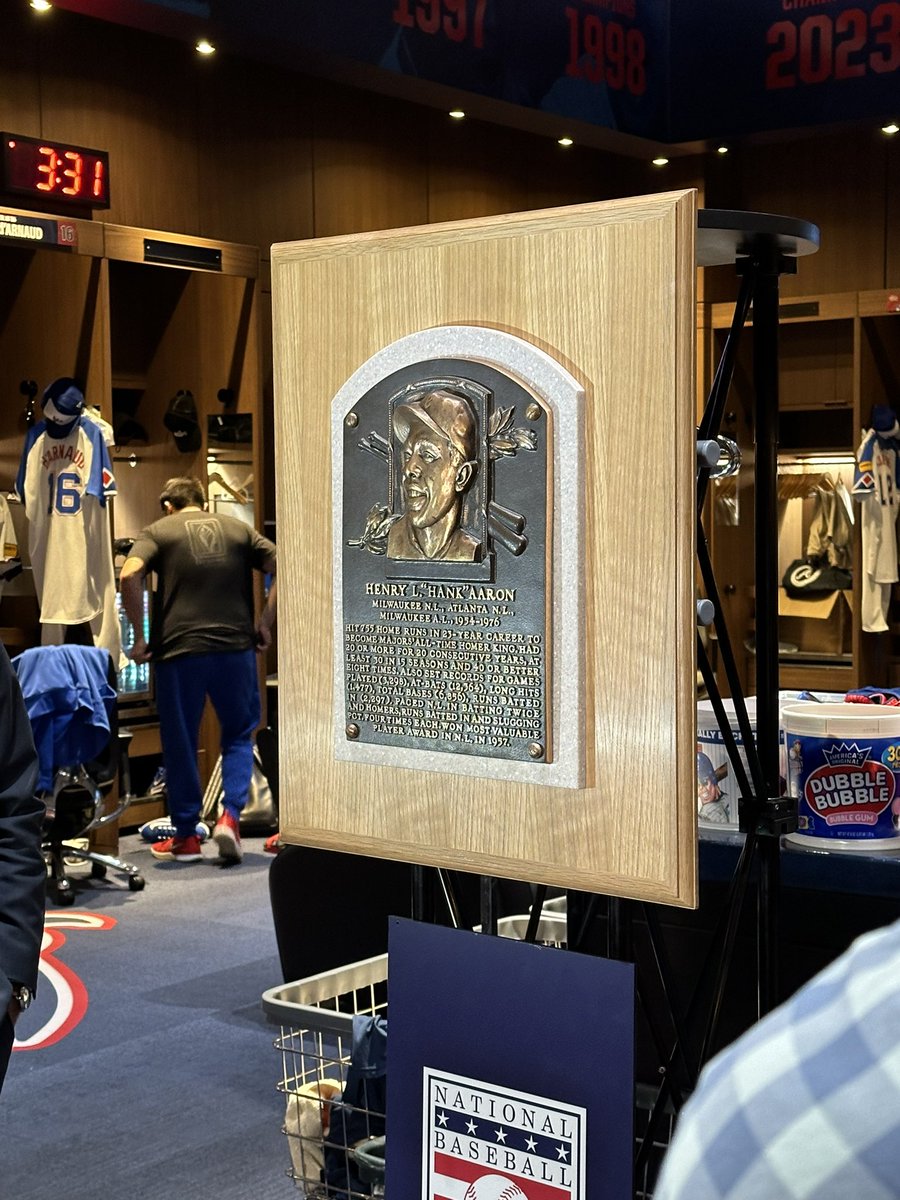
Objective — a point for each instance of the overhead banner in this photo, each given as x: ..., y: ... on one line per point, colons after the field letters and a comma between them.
x: 648, y: 68
x: 783, y: 63
x: 603, y: 62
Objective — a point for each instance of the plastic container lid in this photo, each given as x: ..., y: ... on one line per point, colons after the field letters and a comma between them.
x: 842, y: 720
x: 706, y: 715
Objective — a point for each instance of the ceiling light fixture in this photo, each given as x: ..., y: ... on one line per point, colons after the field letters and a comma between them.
x: 41, y: 5
x: 721, y: 150
x: 456, y: 113
x: 660, y: 162
x: 565, y: 141
x: 205, y: 47
x: 891, y: 129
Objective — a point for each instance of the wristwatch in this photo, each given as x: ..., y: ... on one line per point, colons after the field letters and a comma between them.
x: 22, y: 995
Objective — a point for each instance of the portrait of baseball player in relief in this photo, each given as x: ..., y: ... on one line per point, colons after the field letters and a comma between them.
x: 446, y: 433
x: 437, y: 434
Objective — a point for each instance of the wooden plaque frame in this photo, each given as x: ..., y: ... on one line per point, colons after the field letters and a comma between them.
x: 608, y: 291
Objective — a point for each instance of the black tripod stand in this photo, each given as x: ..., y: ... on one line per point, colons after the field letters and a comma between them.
x: 763, y: 248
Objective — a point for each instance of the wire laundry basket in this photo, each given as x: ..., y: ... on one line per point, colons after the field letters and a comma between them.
x: 316, y: 1017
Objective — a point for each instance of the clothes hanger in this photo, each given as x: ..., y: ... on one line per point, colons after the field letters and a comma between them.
x: 240, y: 496
x: 797, y: 485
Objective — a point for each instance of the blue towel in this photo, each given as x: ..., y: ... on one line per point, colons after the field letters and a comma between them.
x: 70, y: 704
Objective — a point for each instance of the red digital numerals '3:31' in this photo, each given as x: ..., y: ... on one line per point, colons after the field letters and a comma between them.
x: 847, y: 45
x: 447, y: 17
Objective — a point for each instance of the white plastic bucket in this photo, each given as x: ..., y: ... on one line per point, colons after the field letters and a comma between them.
x: 805, y: 697
x: 717, y: 789
x: 843, y: 767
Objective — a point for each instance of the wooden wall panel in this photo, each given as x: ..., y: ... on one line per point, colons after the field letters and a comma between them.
x: 836, y: 181
x: 475, y: 173
x: 255, y: 151
x: 20, y: 69
x: 369, y: 163
x: 139, y: 103
x: 204, y: 345
x: 892, y: 206
x: 632, y: 829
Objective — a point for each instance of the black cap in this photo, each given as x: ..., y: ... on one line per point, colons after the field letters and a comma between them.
x: 181, y: 421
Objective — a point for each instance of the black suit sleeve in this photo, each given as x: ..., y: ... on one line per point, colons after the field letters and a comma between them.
x: 22, y: 871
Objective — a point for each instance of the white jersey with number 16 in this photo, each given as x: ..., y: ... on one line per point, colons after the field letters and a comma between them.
x: 64, y: 484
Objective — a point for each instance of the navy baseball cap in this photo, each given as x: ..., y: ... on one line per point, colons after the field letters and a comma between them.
x: 62, y: 401
x: 706, y: 772
x: 884, y: 419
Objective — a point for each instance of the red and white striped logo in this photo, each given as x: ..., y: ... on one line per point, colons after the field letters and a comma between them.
x: 484, y: 1142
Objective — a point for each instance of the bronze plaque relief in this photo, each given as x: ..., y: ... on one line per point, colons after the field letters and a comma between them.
x: 445, y: 553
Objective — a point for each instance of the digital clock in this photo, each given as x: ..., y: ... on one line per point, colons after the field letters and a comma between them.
x: 46, y: 170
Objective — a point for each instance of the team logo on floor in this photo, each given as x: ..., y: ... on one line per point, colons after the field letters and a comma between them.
x: 484, y: 1142
x: 68, y: 997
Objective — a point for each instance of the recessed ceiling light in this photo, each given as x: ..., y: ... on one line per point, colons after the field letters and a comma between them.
x: 205, y: 47
x: 41, y: 5
x: 565, y: 141
x: 721, y: 150
x: 891, y: 129
x: 660, y: 162
x: 456, y: 113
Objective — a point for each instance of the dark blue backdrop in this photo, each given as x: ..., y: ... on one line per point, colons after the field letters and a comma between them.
x: 533, y: 1020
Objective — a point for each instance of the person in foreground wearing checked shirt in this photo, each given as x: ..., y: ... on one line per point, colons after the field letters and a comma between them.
x: 806, y: 1104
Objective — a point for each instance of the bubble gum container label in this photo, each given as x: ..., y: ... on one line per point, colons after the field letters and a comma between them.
x: 847, y: 787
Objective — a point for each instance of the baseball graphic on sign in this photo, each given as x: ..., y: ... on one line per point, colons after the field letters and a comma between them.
x: 494, y: 1187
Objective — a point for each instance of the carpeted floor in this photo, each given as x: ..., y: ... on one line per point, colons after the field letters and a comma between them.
x: 166, y: 1086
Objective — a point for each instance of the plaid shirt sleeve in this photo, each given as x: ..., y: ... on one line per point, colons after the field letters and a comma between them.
x: 806, y: 1104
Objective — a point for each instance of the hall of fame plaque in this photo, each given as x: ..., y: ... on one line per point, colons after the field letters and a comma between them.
x: 444, y: 609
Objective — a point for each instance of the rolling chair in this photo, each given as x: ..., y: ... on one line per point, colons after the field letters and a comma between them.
x: 70, y: 695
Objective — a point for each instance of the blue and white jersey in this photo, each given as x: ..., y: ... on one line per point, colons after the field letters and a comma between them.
x: 877, y: 471
x: 64, y: 483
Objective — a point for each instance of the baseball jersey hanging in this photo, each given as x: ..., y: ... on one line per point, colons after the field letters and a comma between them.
x: 876, y: 485
x: 65, y: 478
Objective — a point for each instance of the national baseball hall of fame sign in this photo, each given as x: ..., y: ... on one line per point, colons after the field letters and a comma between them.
x: 448, y: 619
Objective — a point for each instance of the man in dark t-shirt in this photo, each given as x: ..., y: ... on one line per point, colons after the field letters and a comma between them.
x: 203, y: 642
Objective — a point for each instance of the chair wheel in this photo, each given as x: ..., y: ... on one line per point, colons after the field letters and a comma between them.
x: 136, y: 883
x: 98, y: 870
x: 65, y: 897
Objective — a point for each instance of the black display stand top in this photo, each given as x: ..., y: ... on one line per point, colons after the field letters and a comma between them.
x: 724, y: 235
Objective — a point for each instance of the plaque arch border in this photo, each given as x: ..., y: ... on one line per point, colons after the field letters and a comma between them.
x: 556, y: 387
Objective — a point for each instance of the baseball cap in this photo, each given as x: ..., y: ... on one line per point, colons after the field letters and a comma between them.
x: 444, y: 413
x: 62, y: 401
x: 181, y: 421
x: 706, y: 772
x: 884, y: 420
x: 127, y: 430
